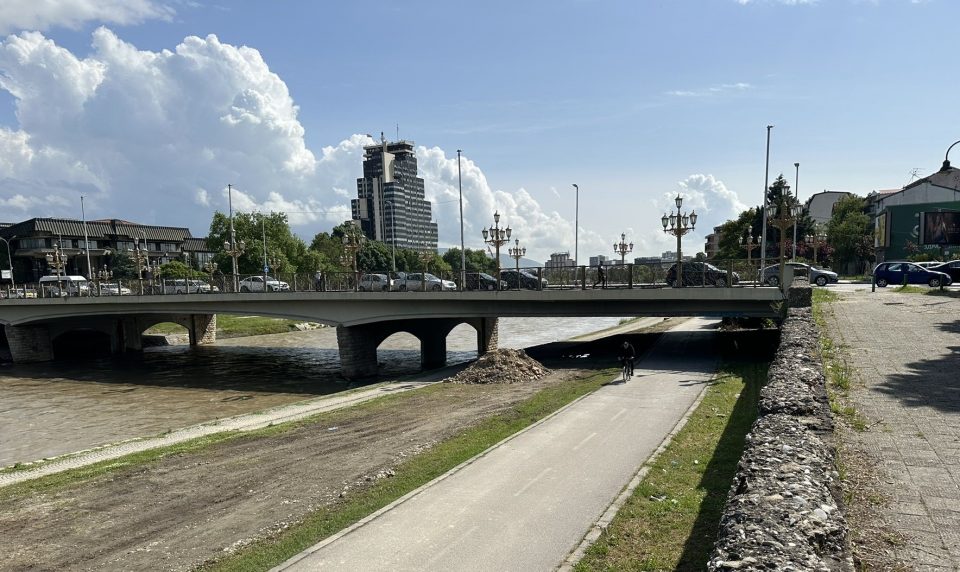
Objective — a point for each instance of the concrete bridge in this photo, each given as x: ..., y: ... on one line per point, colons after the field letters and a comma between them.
x: 363, y: 320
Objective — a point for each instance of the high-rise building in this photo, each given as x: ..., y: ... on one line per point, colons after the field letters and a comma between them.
x: 390, y: 204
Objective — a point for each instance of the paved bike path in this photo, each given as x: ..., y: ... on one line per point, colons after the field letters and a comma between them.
x: 527, y: 503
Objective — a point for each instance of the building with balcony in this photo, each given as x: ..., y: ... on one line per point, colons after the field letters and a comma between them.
x: 560, y: 260
x: 391, y: 206
x: 31, y: 241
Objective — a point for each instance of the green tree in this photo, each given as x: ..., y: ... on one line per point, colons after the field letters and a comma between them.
x: 177, y: 269
x: 477, y: 260
x: 250, y: 228
x: 123, y: 266
x: 849, y: 233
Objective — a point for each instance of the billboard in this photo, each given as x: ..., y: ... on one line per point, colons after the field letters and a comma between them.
x: 940, y: 228
x: 5, y: 275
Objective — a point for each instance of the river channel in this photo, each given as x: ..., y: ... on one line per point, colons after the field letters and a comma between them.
x: 55, y: 408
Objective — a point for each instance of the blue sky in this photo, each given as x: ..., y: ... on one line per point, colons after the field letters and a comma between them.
x: 633, y: 101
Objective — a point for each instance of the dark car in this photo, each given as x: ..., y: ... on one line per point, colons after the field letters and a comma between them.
x: 524, y: 278
x: 700, y: 274
x: 951, y: 269
x: 482, y: 281
x: 908, y: 273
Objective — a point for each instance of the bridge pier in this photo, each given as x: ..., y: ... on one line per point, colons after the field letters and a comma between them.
x: 488, y: 334
x: 358, y: 350
x: 29, y: 343
x: 203, y: 329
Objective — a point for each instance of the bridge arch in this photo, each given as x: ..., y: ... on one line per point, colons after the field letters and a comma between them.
x: 82, y: 342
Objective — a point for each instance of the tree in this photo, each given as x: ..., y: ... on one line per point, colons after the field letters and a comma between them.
x: 123, y: 267
x: 177, y: 269
x: 850, y: 234
x: 250, y: 228
x: 747, y: 224
x: 477, y: 260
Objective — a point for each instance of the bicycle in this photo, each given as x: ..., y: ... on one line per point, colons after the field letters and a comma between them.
x: 627, y: 372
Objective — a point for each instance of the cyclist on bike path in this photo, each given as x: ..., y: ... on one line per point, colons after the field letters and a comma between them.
x: 627, y: 355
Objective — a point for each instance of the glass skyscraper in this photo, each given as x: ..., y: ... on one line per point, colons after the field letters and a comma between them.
x: 390, y: 204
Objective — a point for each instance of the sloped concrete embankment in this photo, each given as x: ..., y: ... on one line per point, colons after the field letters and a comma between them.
x: 783, y: 511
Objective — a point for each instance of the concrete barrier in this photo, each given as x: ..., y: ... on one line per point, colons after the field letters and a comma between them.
x: 783, y: 510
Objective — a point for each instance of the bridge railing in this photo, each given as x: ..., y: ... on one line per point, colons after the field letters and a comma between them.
x: 696, y: 273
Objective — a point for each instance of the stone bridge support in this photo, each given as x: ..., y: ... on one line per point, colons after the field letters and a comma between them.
x: 358, y: 344
x: 203, y: 329
x: 29, y: 343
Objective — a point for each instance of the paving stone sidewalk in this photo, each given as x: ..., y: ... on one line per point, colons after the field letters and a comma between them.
x: 905, y: 349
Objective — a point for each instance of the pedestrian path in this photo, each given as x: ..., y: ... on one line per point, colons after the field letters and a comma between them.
x: 527, y: 503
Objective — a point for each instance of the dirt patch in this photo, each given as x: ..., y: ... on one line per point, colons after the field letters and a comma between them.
x: 183, y: 510
x: 502, y: 366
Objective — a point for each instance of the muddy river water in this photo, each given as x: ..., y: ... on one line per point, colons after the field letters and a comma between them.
x: 54, y: 408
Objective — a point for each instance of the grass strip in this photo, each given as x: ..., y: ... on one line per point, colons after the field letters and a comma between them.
x: 410, y: 475
x: 835, y: 367
x: 229, y: 326
x: 670, y: 522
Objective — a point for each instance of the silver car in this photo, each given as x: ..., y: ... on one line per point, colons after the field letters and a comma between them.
x: 818, y: 276
x: 424, y: 282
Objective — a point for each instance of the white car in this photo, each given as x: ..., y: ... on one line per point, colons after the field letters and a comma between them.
x: 255, y: 284
x: 114, y: 289
x: 186, y: 286
x: 425, y: 282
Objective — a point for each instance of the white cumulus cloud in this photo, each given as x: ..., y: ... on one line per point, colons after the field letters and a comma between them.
x: 16, y: 15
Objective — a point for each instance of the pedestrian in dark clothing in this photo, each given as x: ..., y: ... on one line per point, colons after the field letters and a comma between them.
x: 319, y: 281
x: 627, y: 355
x: 601, y: 277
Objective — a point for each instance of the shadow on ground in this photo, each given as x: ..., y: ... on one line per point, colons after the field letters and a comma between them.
x: 929, y: 382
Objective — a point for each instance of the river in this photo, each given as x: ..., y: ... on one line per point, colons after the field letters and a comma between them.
x: 54, y: 408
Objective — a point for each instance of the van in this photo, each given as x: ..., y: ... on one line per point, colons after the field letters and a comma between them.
x: 54, y: 286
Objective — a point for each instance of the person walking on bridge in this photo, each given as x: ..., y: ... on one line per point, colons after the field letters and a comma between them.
x: 601, y: 276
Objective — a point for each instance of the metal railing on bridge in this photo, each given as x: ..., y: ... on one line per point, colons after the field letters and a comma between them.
x: 695, y: 274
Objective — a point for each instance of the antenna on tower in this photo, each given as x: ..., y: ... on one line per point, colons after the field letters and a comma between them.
x: 398, y: 131
x: 915, y: 173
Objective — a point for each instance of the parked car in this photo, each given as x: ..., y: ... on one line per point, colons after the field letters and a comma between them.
x: 375, y: 283
x: 114, y: 289
x: 907, y: 272
x: 929, y: 263
x: 22, y: 293
x: 482, y: 281
x: 700, y: 274
x: 818, y: 276
x: 64, y: 285
x: 424, y: 282
x: 187, y: 286
x: 524, y: 279
x: 951, y: 269
x: 255, y: 284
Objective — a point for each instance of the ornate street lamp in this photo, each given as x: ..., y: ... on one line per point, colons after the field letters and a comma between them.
x: 234, y: 250
x: 622, y: 248
x: 517, y: 252
x: 58, y: 260
x: 815, y: 240
x: 783, y: 215
x: 679, y: 225
x: 142, y: 259
x: 497, y: 237
x: 749, y: 242
x: 352, y: 241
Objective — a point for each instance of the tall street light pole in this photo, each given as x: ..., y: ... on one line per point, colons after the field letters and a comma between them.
x: 263, y: 230
x: 576, y: 225
x: 796, y: 193
x: 86, y: 239
x: 766, y: 184
x: 463, y: 252
x: 233, y: 237
x: 393, y: 234
x: 10, y: 260
x: 497, y: 237
x: 679, y: 225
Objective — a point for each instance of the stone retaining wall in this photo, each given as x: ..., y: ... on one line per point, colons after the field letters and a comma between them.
x: 782, y: 512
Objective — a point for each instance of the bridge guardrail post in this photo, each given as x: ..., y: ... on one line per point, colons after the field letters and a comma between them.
x: 583, y: 277
x: 630, y: 276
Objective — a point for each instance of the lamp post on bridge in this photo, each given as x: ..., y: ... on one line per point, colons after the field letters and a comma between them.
x: 352, y: 241
x: 517, y: 252
x: 57, y: 259
x: 679, y: 225
x: 786, y: 211
x: 6, y: 241
x: 497, y: 237
x: 622, y: 248
x: 749, y: 241
x: 142, y: 259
